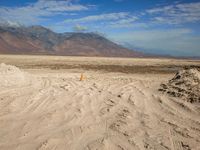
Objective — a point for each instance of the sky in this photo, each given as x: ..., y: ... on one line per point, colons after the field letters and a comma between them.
x: 166, y: 27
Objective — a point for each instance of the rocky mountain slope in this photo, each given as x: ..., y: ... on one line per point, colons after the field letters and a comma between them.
x: 40, y: 40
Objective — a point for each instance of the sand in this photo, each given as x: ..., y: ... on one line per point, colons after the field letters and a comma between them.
x: 43, y: 109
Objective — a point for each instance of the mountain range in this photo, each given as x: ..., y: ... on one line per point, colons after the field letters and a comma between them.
x: 41, y: 40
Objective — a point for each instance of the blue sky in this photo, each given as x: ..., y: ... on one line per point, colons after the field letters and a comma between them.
x: 158, y: 26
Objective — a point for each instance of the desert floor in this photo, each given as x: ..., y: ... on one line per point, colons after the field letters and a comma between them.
x: 117, y: 106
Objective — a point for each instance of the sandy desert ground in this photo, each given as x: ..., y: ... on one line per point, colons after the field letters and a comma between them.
x: 118, y: 105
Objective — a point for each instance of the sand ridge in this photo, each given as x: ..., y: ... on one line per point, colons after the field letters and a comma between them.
x: 12, y: 76
x: 105, y: 111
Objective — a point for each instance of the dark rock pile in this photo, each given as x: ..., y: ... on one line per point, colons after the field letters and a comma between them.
x: 185, y: 85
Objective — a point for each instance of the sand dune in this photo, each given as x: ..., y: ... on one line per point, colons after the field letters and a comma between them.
x: 111, y: 111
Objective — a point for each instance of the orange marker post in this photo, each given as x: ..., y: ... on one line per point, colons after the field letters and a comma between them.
x: 81, y: 78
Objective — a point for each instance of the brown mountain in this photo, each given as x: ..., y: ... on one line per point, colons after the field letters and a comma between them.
x: 40, y: 40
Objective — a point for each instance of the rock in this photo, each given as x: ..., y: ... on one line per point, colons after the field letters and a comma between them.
x: 185, y: 85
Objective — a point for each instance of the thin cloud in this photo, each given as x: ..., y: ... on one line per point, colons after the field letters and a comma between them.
x: 39, y: 11
x: 101, y: 17
x: 133, y: 25
x: 129, y: 22
x: 108, y: 20
x: 176, y: 14
x: 79, y: 28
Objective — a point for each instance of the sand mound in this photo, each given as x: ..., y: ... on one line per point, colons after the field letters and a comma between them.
x: 185, y: 84
x: 12, y: 76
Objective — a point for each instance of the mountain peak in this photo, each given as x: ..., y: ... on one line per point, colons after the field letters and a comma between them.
x: 41, y: 40
x: 39, y: 28
x: 7, y: 23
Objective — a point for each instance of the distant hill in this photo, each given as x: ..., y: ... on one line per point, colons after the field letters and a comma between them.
x: 40, y: 40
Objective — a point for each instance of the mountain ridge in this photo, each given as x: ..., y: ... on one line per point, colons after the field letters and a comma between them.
x: 41, y: 40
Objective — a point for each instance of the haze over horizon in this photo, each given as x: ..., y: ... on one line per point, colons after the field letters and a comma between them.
x: 164, y: 27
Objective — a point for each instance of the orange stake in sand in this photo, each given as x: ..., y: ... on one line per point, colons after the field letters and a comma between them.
x: 81, y: 78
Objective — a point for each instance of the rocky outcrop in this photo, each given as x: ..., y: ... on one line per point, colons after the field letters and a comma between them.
x: 185, y: 85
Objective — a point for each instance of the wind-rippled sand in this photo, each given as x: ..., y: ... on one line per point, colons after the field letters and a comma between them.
x: 113, y: 111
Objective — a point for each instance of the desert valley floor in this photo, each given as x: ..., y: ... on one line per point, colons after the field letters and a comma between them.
x: 117, y: 106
